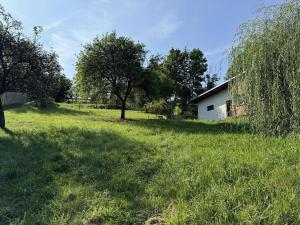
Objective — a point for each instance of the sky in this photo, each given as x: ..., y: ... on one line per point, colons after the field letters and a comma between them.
x: 209, y: 25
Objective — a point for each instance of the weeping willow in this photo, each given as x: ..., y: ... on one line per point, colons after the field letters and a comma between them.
x: 265, y: 62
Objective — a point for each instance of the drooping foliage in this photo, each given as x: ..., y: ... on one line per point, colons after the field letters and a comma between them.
x: 266, y: 63
x: 160, y: 107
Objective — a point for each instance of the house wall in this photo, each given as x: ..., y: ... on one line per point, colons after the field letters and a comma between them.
x: 10, y: 98
x: 219, y: 101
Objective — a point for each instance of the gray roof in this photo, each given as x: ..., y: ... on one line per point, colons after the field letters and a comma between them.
x: 211, y: 92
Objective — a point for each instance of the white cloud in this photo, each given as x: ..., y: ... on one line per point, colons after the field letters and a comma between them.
x: 66, y: 48
x: 102, y: 16
x: 218, y: 60
x: 54, y: 24
x: 67, y: 40
x: 167, y: 26
x: 217, y: 51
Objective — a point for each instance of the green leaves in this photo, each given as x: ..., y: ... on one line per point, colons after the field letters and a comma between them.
x: 266, y: 62
x: 112, y: 64
x: 185, y: 69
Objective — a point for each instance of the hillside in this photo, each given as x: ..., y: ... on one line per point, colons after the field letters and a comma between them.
x: 63, y: 165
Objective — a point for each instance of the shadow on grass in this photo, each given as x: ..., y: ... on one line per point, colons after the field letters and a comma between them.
x: 8, y: 131
x: 51, y: 109
x: 186, y: 126
x: 32, y: 164
x: 25, y: 182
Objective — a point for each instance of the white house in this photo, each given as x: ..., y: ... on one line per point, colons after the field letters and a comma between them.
x: 214, y: 104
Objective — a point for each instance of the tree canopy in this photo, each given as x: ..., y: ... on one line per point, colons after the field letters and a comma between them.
x: 185, y: 69
x: 24, y: 65
x: 112, y: 64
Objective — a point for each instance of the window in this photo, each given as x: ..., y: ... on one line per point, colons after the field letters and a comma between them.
x: 210, y: 107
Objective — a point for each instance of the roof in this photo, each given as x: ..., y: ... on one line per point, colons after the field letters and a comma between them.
x: 210, y: 92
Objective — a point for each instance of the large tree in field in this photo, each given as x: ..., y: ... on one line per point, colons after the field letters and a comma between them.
x: 113, y: 64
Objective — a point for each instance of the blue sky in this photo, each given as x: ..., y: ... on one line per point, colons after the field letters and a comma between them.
x: 160, y: 24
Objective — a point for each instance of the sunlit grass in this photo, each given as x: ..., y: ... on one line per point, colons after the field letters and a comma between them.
x: 63, y: 165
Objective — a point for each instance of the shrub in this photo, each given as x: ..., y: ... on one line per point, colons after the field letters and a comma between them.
x: 188, y: 115
x: 177, y: 111
x: 160, y: 107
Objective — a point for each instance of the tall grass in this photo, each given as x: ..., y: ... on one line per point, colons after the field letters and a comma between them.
x: 68, y: 166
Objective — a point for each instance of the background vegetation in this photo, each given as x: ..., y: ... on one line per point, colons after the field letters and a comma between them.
x: 112, y: 70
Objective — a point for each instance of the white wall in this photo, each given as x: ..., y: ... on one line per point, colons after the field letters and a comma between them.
x: 219, y: 101
x: 10, y: 98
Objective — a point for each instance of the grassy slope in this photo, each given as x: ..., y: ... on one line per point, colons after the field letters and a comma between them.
x: 65, y: 166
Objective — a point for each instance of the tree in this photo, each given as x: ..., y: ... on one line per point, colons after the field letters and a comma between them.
x: 24, y: 65
x: 14, y: 50
x: 113, y: 62
x: 185, y: 69
x: 198, y: 66
x: 44, y: 76
x: 155, y: 84
x: 63, y: 90
x: 211, y: 81
x: 265, y: 63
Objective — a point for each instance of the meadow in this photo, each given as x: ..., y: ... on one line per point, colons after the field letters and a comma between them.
x: 65, y: 165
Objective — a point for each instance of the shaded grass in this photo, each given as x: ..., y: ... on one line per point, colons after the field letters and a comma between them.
x: 35, y: 166
x: 70, y: 166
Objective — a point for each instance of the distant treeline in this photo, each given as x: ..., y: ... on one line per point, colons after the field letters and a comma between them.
x: 113, y: 70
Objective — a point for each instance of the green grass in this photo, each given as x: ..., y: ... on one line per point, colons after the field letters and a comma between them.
x: 68, y: 166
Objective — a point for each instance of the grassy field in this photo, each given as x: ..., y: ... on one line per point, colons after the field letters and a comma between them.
x: 68, y: 166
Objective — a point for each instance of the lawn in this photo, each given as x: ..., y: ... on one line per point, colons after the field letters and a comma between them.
x: 63, y: 165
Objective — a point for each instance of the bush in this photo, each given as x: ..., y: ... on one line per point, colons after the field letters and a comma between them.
x: 177, y: 111
x: 188, y: 115
x: 160, y: 107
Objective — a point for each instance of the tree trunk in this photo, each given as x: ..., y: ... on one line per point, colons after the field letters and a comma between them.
x: 2, y: 117
x: 43, y: 103
x: 123, y: 108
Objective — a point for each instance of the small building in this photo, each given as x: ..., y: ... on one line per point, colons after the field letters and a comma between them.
x: 216, y: 104
x: 12, y: 98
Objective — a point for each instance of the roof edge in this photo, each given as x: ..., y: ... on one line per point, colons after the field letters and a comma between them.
x: 211, y: 91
